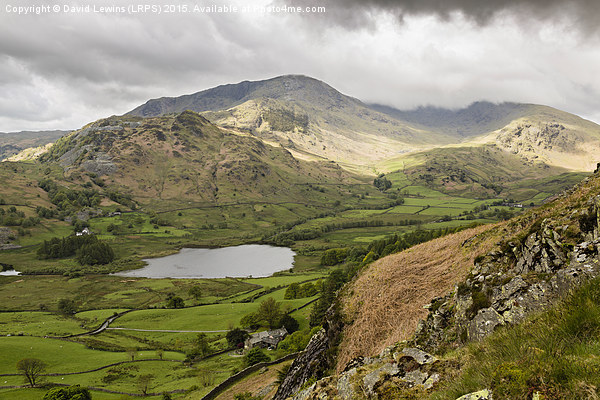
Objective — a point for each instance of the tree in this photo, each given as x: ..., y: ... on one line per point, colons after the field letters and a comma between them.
x: 160, y: 353
x: 144, y: 382
x: 75, y: 392
x: 202, y: 346
x: 255, y: 356
x: 289, y: 323
x: 269, y: 312
x: 250, y: 321
x: 292, y: 291
x: 195, y: 292
x: 236, y: 336
x: 175, y: 302
x: 382, y: 183
x: 132, y: 353
x: 31, y: 368
x: 67, y: 306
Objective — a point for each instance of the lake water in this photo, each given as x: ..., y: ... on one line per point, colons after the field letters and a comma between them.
x: 237, y: 261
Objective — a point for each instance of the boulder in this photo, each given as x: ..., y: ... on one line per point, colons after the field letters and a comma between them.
x: 484, y: 394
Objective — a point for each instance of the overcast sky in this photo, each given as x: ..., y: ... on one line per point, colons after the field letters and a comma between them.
x: 61, y: 70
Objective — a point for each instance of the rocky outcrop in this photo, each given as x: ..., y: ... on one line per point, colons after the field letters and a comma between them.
x: 507, y: 285
x: 368, y: 377
x: 316, y: 359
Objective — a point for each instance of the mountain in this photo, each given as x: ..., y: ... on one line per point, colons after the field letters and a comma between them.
x: 184, y: 157
x: 534, y: 133
x: 313, y: 120
x: 14, y: 142
x: 479, y: 117
x: 304, y: 115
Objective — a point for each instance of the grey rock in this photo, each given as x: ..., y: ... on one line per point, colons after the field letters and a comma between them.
x: 432, y: 380
x: 506, y: 292
x: 266, y: 390
x: 419, y: 356
x: 344, y: 387
x: 484, y: 394
x: 371, y: 380
x: 305, y: 394
x: 415, y: 377
x: 484, y: 323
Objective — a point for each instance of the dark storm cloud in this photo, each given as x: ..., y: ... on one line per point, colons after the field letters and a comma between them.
x: 583, y: 14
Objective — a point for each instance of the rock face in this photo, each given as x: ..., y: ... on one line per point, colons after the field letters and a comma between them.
x: 367, y: 377
x: 315, y: 360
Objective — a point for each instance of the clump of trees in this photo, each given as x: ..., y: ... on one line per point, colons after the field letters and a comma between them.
x: 68, y: 200
x: 255, y: 356
x: 382, y: 183
x: 297, y: 291
x: 236, y: 337
x: 75, y: 392
x: 14, y: 217
x: 202, y: 348
x: 174, y: 301
x: 269, y: 315
x: 67, y: 307
x: 88, y: 249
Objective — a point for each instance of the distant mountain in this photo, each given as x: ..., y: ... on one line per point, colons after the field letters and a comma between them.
x: 480, y: 117
x: 14, y: 142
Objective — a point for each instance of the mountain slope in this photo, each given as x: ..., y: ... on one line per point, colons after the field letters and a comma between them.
x: 526, y: 290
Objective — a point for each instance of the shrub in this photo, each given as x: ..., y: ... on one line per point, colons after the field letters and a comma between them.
x: 255, y: 356
x: 75, y: 392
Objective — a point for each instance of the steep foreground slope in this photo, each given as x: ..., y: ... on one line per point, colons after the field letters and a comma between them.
x: 471, y: 284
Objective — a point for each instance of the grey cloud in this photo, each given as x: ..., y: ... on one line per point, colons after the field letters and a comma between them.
x: 582, y: 14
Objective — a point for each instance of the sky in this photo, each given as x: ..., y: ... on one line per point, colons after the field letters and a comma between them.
x: 65, y: 63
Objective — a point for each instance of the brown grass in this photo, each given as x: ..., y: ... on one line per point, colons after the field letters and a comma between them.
x: 254, y: 383
x: 386, y: 301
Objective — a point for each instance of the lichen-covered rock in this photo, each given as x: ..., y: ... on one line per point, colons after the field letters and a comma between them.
x: 432, y: 380
x: 484, y: 323
x: 415, y: 377
x: 419, y: 356
x: 484, y: 394
x: 344, y: 385
x: 372, y: 379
